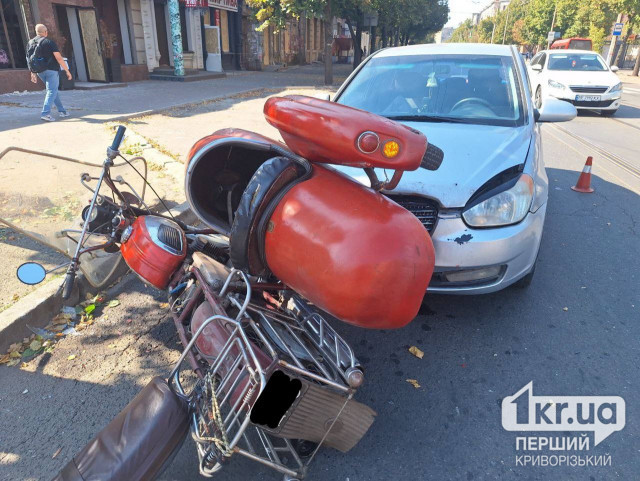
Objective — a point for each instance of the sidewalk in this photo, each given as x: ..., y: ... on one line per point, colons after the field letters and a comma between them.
x: 626, y: 77
x: 23, y: 109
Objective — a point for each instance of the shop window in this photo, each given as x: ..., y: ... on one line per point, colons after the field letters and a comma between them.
x: 12, y: 39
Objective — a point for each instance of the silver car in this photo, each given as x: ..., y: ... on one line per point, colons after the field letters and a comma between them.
x: 485, y: 206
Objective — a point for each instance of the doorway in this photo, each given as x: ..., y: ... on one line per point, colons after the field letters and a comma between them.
x: 161, y: 30
x: 92, y: 45
x: 80, y: 27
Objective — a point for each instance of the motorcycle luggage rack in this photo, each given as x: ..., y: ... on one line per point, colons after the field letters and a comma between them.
x: 222, y: 400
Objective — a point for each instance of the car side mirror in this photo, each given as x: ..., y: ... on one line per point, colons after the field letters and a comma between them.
x: 614, y: 68
x: 555, y: 110
x: 537, y: 67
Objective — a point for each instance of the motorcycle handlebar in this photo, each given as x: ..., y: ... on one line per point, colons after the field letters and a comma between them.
x: 433, y: 157
x: 118, y: 138
x: 68, y: 284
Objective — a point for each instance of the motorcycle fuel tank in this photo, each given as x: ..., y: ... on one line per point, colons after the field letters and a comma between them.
x: 154, y: 247
x: 350, y: 250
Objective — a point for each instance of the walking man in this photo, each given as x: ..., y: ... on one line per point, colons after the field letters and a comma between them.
x: 45, y: 61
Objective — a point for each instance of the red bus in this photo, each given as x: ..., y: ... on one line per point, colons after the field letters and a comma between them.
x: 575, y: 43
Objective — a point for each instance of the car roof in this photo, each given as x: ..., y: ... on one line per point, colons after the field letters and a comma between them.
x: 446, y: 49
x: 569, y: 50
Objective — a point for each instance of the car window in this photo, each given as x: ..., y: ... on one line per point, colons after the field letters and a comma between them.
x: 543, y: 59
x: 480, y: 89
x: 576, y: 61
x: 535, y: 59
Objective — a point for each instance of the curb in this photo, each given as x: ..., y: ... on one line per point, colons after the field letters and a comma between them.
x: 33, y: 309
x: 163, y: 110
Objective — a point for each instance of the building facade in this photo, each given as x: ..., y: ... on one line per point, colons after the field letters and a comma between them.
x: 490, y: 10
x: 129, y: 40
x: 101, y: 39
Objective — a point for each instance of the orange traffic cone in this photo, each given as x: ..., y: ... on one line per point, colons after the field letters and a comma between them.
x: 584, y: 181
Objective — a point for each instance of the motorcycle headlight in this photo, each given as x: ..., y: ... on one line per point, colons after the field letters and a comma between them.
x: 616, y: 88
x: 504, y: 208
x: 555, y: 85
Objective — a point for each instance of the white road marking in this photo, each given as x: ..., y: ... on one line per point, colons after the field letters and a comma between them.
x: 627, y: 89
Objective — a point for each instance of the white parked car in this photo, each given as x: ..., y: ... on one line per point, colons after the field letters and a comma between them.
x: 582, y: 78
x: 485, y: 206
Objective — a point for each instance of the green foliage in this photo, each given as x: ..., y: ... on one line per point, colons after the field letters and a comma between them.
x: 411, y: 21
x: 529, y: 21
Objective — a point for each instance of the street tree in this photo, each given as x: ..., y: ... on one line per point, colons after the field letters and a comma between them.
x: 401, y: 22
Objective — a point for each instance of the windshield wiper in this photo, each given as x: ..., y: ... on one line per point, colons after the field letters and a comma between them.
x: 431, y: 118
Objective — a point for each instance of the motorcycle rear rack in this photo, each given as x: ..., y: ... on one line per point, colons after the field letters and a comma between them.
x: 228, y: 429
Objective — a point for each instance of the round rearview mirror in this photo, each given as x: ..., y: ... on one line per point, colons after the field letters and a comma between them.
x: 31, y: 273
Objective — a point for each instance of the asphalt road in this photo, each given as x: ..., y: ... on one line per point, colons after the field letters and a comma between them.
x: 573, y: 332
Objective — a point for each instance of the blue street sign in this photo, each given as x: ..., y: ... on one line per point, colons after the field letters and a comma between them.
x: 617, y: 29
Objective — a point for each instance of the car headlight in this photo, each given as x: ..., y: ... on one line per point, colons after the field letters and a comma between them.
x: 504, y: 208
x: 616, y: 88
x: 555, y: 85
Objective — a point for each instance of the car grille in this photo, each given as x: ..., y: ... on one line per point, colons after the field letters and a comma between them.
x: 586, y: 103
x: 424, y: 209
x: 588, y: 90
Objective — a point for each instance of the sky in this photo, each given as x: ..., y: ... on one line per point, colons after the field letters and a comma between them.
x: 460, y: 10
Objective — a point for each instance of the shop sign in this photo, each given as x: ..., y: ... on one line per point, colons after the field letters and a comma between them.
x: 195, y: 3
x: 231, y: 5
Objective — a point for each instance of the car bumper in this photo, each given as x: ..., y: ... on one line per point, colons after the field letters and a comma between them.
x: 459, y: 248
x: 608, y: 101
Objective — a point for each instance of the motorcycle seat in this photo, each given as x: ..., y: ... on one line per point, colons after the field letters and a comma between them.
x: 272, y: 179
x: 138, y: 443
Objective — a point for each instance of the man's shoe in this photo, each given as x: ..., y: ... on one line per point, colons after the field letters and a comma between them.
x: 63, y: 114
x: 48, y: 118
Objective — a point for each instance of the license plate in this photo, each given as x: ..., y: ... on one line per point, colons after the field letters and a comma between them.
x: 588, y: 98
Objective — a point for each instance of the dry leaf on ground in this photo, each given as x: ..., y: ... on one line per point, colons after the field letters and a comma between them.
x: 71, y: 357
x: 414, y: 383
x: 416, y: 352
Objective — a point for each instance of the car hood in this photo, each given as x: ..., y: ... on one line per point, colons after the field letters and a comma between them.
x: 473, y: 154
x: 583, y: 78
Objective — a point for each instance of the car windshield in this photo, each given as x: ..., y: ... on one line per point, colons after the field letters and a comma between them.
x: 583, y: 62
x: 475, y: 89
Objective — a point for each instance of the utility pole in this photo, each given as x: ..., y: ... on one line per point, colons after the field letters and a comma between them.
x: 553, y: 23
x: 506, y: 22
x: 493, y: 31
x: 328, y: 44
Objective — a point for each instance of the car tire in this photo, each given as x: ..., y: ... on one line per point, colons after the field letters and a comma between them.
x: 608, y: 113
x: 538, y: 97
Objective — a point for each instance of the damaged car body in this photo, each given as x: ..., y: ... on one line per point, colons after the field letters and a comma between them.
x: 485, y: 208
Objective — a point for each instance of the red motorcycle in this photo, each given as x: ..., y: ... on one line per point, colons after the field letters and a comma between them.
x: 285, y: 244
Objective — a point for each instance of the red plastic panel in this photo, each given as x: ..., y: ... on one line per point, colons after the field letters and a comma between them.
x: 327, y: 132
x: 147, y: 259
x: 350, y: 250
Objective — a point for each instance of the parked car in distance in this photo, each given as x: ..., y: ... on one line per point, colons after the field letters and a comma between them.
x: 572, y: 43
x: 485, y: 206
x: 582, y: 78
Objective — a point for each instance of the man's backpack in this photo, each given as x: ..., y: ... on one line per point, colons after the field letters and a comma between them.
x: 35, y: 61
